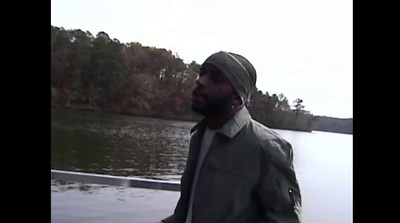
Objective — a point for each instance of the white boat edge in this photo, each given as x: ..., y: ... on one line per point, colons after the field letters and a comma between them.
x: 114, y: 180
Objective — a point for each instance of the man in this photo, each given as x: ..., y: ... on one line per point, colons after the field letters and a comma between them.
x: 237, y: 169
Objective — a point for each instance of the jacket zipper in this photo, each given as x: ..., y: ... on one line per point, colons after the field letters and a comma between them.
x: 212, y: 145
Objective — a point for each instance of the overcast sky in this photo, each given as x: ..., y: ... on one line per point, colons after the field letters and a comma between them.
x: 301, y: 48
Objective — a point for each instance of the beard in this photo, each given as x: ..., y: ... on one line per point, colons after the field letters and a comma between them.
x: 213, y: 107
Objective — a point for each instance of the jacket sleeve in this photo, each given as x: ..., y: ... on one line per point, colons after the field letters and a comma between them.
x: 180, y: 211
x: 168, y: 219
x: 278, y: 188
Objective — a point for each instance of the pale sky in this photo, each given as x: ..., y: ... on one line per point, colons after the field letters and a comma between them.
x: 301, y: 48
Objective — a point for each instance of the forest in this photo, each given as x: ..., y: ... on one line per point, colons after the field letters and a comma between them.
x: 99, y: 73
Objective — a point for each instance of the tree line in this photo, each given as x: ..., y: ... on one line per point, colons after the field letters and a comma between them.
x: 100, y: 73
x: 330, y: 124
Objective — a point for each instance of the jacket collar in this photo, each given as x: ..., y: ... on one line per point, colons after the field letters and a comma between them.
x: 231, y: 127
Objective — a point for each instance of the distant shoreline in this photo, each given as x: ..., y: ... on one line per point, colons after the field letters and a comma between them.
x: 95, y: 109
x: 80, y: 107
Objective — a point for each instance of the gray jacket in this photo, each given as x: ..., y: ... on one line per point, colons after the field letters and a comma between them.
x: 247, y: 176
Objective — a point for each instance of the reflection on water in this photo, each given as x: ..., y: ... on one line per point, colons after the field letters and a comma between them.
x: 118, y: 145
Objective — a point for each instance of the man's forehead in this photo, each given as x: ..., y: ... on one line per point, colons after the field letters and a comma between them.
x: 211, y: 67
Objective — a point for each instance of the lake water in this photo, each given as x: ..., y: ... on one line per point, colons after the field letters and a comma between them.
x: 152, y: 148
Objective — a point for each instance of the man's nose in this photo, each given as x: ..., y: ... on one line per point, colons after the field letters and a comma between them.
x: 202, y: 80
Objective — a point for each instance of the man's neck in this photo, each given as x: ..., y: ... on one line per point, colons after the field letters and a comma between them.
x: 218, y: 121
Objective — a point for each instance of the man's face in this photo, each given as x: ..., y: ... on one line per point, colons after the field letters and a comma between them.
x: 214, y: 93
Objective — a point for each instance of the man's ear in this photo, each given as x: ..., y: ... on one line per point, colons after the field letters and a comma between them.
x: 237, y: 101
